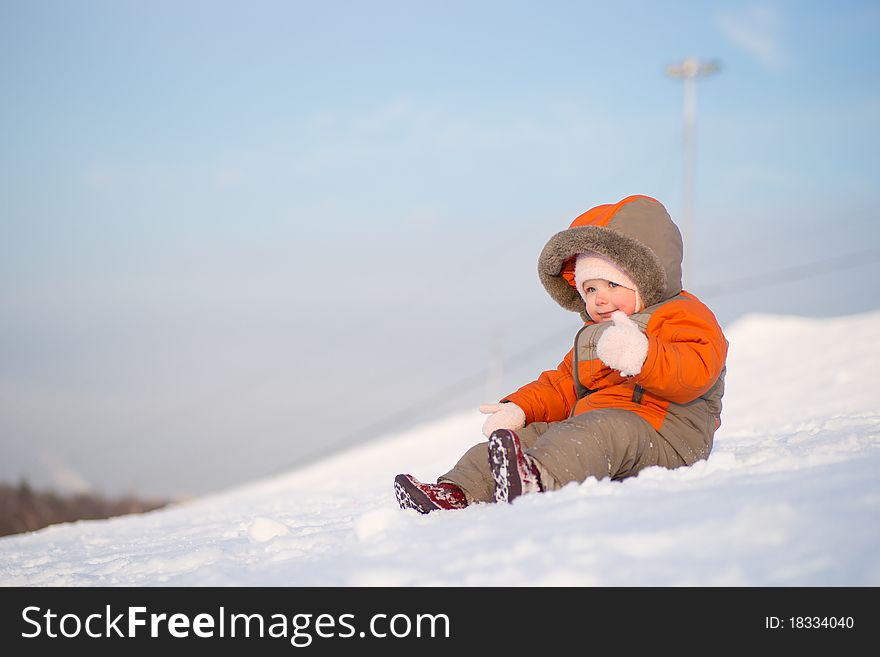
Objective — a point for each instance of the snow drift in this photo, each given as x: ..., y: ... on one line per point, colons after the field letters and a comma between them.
x: 789, y: 496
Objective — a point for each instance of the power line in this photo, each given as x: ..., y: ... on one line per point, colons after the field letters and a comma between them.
x: 792, y: 274
x: 465, y: 384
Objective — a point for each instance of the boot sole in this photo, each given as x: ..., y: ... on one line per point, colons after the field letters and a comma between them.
x: 410, y: 497
x: 502, y: 454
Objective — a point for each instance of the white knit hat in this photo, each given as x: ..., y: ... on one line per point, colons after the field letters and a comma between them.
x: 591, y: 265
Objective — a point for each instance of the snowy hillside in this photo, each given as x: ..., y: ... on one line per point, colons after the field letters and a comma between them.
x: 790, y: 496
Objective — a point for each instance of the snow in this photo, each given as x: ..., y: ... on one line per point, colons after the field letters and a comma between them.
x: 789, y: 496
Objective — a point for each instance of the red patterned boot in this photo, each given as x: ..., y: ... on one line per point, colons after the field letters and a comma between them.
x: 514, y: 473
x: 424, y: 498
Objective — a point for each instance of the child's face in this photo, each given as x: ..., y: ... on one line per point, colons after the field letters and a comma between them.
x: 604, y: 297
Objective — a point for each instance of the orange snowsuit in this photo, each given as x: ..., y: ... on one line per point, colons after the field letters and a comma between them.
x: 585, y: 418
x: 683, y: 372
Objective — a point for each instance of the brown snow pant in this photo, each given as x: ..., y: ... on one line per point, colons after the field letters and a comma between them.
x: 606, y: 443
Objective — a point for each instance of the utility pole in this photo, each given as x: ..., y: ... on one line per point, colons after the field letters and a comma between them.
x: 689, y: 70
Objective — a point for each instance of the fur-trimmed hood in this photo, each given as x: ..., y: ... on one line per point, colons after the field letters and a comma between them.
x: 637, y: 234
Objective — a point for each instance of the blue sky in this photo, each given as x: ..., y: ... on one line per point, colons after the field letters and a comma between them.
x: 234, y: 234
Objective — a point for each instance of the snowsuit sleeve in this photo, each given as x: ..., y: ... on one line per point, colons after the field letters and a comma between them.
x: 686, y: 352
x: 550, y: 397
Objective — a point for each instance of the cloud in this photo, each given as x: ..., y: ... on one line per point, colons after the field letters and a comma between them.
x: 757, y: 31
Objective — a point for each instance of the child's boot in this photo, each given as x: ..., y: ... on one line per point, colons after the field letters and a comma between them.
x: 514, y: 473
x: 424, y: 498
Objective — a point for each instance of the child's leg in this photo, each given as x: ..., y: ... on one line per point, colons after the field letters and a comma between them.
x: 472, y: 473
x: 606, y: 443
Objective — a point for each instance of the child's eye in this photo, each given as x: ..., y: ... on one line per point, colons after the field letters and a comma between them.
x: 591, y: 290
x: 613, y: 285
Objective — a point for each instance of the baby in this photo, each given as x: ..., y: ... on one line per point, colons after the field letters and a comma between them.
x: 642, y: 385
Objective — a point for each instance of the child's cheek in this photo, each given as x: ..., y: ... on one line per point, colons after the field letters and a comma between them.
x: 628, y: 303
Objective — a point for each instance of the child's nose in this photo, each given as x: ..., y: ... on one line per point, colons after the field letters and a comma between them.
x: 601, y: 298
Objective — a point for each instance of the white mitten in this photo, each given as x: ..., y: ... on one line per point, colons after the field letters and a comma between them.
x: 503, y: 416
x: 623, y: 346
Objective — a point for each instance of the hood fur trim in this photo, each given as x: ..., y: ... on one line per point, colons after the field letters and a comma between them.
x: 635, y: 259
